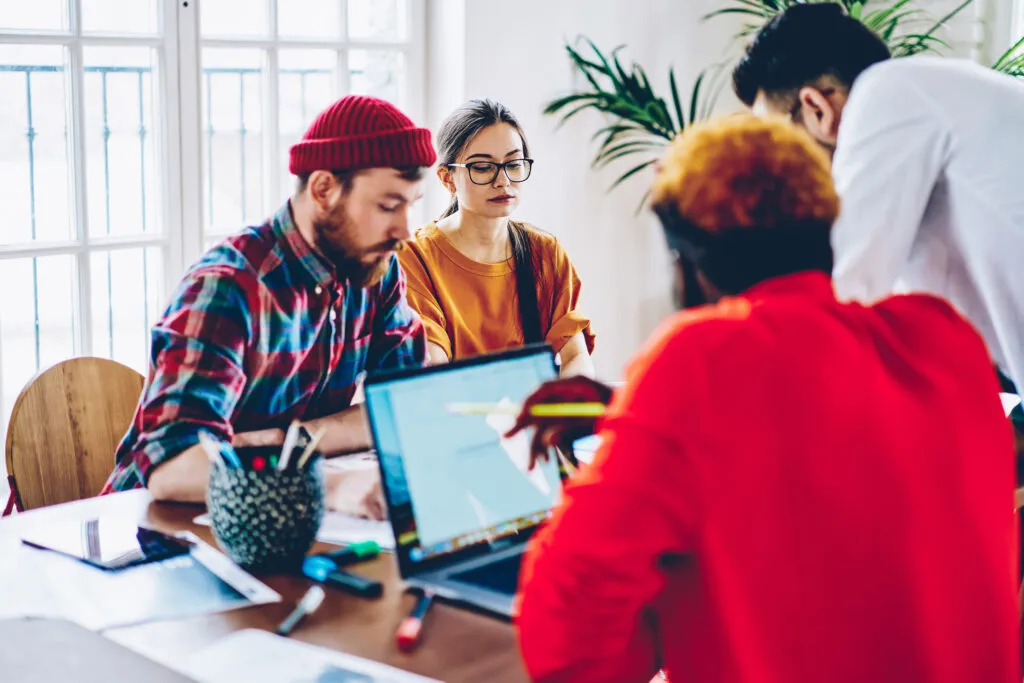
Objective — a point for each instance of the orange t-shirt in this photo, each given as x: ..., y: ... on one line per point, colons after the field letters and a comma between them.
x: 470, y: 308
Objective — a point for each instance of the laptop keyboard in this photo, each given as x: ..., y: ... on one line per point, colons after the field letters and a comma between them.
x: 501, y: 576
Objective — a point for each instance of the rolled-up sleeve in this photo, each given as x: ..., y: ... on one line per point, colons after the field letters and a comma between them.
x: 423, y: 301
x: 566, y: 319
x: 197, y: 373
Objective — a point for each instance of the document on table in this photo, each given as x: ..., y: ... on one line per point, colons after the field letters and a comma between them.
x: 260, y: 657
x: 202, y: 582
x: 341, y: 529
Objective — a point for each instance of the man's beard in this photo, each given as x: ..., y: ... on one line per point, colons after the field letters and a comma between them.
x: 333, y: 240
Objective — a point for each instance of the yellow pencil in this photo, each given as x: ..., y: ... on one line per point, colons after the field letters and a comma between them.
x: 540, y: 410
x: 568, y: 410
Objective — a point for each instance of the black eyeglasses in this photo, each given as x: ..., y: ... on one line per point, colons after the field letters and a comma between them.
x: 486, y: 172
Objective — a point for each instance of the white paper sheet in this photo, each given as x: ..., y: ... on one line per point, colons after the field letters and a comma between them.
x: 202, y: 582
x: 341, y: 529
x: 261, y: 657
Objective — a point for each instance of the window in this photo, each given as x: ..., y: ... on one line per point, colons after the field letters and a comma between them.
x: 133, y: 133
x: 267, y: 71
x: 84, y: 177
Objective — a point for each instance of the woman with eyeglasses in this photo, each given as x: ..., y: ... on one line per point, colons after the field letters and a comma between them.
x: 481, y: 281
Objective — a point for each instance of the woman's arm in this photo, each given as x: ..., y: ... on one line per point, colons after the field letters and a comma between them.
x: 575, y: 358
x: 435, y: 354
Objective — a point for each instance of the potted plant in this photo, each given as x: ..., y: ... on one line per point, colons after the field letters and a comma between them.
x: 1012, y: 61
x: 903, y: 25
x: 641, y: 122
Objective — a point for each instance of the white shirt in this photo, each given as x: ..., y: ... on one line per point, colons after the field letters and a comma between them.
x: 929, y: 166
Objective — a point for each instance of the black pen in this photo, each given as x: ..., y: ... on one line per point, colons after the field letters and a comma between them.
x: 324, y: 570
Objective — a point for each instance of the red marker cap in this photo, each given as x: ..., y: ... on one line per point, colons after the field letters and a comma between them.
x: 408, y: 632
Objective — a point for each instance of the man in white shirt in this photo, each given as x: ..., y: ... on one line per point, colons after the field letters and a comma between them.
x: 928, y: 159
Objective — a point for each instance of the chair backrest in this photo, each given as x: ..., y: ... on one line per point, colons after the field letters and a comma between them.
x: 65, y: 427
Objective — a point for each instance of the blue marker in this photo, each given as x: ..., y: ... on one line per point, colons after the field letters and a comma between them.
x: 325, y: 571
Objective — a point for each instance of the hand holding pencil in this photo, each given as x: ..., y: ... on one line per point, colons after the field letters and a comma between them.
x: 560, y: 412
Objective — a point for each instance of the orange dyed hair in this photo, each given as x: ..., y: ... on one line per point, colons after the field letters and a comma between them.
x: 746, y: 172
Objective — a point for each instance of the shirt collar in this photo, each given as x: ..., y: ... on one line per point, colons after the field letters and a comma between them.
x: 312, y: 263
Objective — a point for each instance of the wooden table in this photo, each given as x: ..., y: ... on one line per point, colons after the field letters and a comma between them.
x: 456, y: 645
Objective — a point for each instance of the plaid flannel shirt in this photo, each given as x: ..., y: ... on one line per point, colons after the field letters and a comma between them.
x: 260, y: 332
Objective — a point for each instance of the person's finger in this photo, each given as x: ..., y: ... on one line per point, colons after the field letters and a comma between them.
x: 539, y: 445
x: 375, y: 507
x: 538, y: 451
x: 382, y: 504
x: 551, y: 436
x: 521, y: 423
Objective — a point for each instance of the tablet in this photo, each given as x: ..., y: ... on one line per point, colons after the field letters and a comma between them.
x: 107, y: 543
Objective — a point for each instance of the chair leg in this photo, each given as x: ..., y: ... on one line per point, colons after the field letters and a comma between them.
x: 13, y: 500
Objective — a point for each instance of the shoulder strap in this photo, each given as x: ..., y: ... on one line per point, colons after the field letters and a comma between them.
x: 526, y: 283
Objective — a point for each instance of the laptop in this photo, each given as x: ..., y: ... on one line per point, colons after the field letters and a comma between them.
x: 460, y: 499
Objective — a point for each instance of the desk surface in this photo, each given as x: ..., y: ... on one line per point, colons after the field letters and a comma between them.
x: 456, y: 645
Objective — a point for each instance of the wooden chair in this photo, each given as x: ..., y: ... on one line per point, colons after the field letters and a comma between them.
x: 64, y: 430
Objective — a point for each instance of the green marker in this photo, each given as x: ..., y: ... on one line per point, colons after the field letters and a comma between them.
x: 354, y: 552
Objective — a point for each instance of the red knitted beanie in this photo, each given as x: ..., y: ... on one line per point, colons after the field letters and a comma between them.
x: 361, y: 132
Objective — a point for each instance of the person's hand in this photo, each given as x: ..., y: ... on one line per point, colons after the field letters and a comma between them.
x: 356, y: 492
x: 560, y: 432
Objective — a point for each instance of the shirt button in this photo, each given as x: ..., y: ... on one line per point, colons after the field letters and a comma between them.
x: 319, y: 289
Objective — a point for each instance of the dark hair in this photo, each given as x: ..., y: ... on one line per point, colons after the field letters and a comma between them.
x: 801, y: 45
x: 346, y: 176
x: 461, y: 126
x: 736, y: 259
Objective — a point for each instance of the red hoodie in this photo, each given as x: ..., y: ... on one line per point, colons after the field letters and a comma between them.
x: 790, y: 489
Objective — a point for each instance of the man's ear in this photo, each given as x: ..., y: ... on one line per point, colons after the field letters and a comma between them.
x: 819, y: 115
x: 322, y: 186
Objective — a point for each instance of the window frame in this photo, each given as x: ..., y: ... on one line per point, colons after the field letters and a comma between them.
x: 178, y: 140
x: 81, y: 245
x: 191, y: 44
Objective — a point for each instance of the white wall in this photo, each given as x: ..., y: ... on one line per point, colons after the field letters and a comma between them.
x: 514, y: 52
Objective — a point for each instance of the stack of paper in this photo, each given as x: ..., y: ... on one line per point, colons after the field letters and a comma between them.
x: 260, y: 657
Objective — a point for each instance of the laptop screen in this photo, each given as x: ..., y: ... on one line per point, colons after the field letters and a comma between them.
x: 452, y: 480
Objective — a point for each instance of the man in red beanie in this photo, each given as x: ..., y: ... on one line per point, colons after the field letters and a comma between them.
x: 790, y: 488
x: 279, y: 322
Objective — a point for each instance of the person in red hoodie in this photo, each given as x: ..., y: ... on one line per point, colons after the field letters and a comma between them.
x: 789, y: 488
